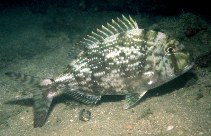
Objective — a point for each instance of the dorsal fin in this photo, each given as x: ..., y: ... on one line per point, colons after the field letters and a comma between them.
x: 114, y: 27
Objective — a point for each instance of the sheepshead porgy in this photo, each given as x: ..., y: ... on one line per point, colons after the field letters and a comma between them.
x: 118, y: 59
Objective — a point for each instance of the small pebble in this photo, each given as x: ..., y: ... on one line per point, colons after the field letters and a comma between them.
x: 84, y: 115
x: 169, y: 128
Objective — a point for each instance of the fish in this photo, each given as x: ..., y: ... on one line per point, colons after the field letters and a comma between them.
x: 118, y: 59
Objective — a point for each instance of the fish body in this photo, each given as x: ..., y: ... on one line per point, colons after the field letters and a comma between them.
x: 118, y: 59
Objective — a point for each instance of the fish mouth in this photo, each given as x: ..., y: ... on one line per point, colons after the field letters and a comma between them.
x: 188, y: 67
x: 182, y: 62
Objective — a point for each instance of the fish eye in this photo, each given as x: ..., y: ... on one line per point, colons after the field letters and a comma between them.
x: 170, y: 50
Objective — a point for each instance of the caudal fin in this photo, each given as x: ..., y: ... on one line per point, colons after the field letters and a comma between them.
x: 42, y: 96
x: 42, y: 101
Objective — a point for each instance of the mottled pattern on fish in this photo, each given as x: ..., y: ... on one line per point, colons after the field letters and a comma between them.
x: 120, y: 59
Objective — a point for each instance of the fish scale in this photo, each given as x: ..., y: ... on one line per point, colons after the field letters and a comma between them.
x: 118, y: 59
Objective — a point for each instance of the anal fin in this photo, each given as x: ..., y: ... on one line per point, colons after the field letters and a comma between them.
x: 132, y: 99
x: 88, y: 99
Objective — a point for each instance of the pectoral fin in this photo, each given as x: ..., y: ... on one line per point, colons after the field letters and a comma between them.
x: 132, y: 99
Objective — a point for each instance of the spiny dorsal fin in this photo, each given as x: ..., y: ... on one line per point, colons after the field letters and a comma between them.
x: 114, y: 27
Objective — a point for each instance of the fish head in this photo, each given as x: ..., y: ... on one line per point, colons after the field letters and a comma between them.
x: 176, y: 59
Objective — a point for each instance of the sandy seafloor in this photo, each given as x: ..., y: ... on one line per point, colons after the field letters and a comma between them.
x: 43, y: 45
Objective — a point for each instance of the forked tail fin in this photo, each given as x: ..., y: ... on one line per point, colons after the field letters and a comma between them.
x: 42, y: 101
x: 42, y: 96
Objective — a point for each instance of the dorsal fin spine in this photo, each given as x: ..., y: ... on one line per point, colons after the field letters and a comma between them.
x: 97, y: 35
x: 134, y: 22
x: 102, y: 32
x: 119, y: 20
x: 106, y: 29
x: 115, y: 23
x: 112, y: 27
x: 82, y: 42
x: 129, y: 23
x: 92, y: 38
x: 88, y: 40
